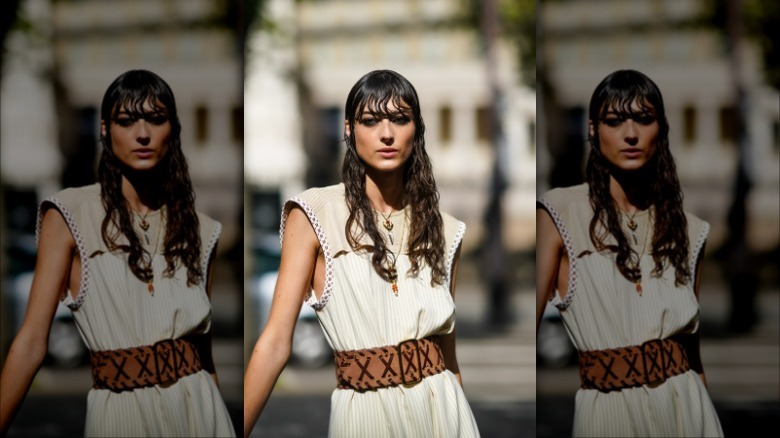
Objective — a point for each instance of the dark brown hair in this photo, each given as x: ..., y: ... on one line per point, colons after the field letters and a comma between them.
x: 129, y: 93
x: 373, y: 93
x: 670, y: 245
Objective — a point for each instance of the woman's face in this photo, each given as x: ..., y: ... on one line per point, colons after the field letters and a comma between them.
x: 628, y: 141
x: 384, y: 141
x: 140, y: 143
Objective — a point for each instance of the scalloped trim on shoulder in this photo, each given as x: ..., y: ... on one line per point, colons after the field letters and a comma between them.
x: 318, y: 230
x: 697, y: 247
x: 569, y: 244
x: 209, y: 248
x: 454, y: 249
x: 80, y: 245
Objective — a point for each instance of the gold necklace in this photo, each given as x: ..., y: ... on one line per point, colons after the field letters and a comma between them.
x: 637, y: 265
x: 632, y: 225
x: 150, y: 281
x: 143, y: 223
x: 388, y: 225
x: 392, y: 273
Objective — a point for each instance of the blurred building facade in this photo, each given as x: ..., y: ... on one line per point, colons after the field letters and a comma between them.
x: 300, y: 71
x: 57, y: 72
x: 581, y: 41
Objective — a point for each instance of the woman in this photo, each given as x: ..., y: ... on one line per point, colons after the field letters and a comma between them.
x: 132, y: 259
x: 621, y: 261
x: 377, y: 260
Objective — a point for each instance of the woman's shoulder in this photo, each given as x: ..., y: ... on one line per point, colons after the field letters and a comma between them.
x: 74, y: 197
x: 561, y: 197
x: 698, y: 228
x: 317, y: 198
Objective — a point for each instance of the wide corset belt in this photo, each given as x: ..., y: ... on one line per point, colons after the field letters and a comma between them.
x: 126, y: 369
x: 650, y: 363
x: 404, y: 364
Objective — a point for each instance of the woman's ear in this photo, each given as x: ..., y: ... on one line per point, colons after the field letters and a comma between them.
x: 591, y: 129
x: 347, y: 131
x: 103, y: 132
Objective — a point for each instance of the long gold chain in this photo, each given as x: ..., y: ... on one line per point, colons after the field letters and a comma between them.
x: 150, y: 281
x: 638, y: 264
x: 392, y: 273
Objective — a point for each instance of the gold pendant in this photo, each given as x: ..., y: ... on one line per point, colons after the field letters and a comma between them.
x: 639, y: 287
x: 150, y: 287
x: 144, y: 225
x: 393, y: 276
x: 388, y: 225
x: 632, y: 225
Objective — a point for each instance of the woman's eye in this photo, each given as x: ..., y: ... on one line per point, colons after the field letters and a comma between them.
x: 368, y: 122
x: 156, y: 120
x: 125, y: 121
x: 645, y: 120
x: 613, y: 122
x: 401, y: 120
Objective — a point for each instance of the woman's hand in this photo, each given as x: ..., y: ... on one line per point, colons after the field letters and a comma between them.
x: 272, y: 350
x: 52, y: 268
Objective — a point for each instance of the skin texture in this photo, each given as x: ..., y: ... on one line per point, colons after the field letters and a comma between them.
x: 58, y: 265
x: 303, y: 265
x: 140, y: 143
x: 628, y: 145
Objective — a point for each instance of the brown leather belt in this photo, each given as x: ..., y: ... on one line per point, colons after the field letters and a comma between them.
x: 404, y: 364
x: 162, y: 363
x: 629, y: 367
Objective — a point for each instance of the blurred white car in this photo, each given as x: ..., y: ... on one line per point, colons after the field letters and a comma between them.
x: 553, y: 348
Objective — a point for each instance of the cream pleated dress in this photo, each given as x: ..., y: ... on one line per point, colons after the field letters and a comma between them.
x: 113, y: 309
x: 603, y: 310
x: 358, y: 310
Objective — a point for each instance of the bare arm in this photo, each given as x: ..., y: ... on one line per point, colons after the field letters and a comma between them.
x: 52, y: 268
x: 272, y: 350
x: 549, y: 251
x: 447, y: 342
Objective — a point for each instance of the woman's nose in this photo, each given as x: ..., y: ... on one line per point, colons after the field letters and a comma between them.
x: 630, y: 134
x: 142, y: 133
x: 386, y: 134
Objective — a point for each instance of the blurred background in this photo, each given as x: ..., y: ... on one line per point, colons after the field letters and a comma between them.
x: 719, y: 72
x: 58, y: 58
x: 472, y: 63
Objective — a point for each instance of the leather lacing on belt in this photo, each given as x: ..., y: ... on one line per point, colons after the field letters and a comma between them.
x: 650, y: 363
x: 404, y: 364
x: 126, y: 369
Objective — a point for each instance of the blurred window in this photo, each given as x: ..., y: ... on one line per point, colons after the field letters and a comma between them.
x: 201, y: 124
x: 689, y: 124
x: 728, y: 123
x: 483, y: 123
x: 237, y: 124
x: 445, y: 124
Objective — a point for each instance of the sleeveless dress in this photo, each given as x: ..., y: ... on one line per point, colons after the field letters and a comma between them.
x: 358, y: 310
x: 113, y: 310
x: 603, y: 310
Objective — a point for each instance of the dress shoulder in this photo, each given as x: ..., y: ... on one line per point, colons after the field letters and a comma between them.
x: 698, y: 230
x: 562, y: 198
x: 210, y: 231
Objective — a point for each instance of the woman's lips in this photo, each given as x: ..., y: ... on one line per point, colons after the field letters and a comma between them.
x: 388, y: 152
x: 144, y: 152
x: 632, y: 152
